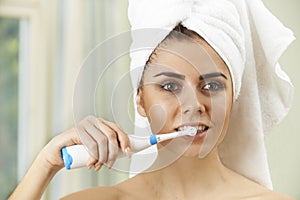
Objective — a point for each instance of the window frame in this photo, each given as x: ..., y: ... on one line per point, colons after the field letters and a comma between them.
x: 32, y: 111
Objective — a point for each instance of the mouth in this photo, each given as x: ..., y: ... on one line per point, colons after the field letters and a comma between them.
x: 201, y: 128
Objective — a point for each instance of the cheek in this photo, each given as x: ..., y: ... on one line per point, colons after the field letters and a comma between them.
x: 220, y: 107
x: 221, y: 110
x: 218, y: 112
x: 160, y: 109
x: 160, y: 116
x: 157, y: 117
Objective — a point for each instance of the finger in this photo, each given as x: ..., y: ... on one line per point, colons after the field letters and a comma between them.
x: 92, y: 161
x: 122, y: 137
x: 101, y: 140
x: 88, y: 141
x: 90, y: 144
x: 112, y: 141
x: 98, y: 166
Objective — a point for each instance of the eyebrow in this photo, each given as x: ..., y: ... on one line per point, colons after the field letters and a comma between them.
x: 212, y: 75
x: 182, y: 77
x: 170, y: 74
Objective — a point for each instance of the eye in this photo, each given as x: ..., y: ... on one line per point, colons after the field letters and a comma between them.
x: 213, y: 86
x: 171, y: 87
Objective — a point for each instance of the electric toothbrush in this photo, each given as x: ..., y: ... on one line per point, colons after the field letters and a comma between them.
x: 76, y: 156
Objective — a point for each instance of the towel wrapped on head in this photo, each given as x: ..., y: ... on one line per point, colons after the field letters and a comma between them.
x: 250, y: 40
x: 218, y: 25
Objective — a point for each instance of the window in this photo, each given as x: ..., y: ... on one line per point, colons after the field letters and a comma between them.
x: 53, y: 39
x: 22, y: 102
x: 9, y: 71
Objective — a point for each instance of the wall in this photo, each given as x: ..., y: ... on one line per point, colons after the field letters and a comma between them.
x: 283, y: 145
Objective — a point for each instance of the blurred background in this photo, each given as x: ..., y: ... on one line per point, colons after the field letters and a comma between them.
x: 43, y: 46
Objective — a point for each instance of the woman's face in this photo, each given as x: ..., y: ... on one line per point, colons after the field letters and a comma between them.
x: 187, y: 84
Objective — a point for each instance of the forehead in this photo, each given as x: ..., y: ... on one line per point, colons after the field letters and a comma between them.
x: 188, y: 54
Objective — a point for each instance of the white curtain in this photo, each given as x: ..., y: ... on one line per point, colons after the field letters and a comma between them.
x: 87, y: 77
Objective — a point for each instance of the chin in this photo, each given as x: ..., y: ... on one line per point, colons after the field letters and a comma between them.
x: 192, y: 151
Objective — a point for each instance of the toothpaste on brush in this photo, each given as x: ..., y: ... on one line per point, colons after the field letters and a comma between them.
x: 77, y: 156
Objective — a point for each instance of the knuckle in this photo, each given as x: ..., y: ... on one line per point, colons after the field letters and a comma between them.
x: 118, y: 126
x: 89, y: 118
x: 79, y: 131
x: 114, y: 146
x: 111, y: 135
x: 103, y: 141
x: 99, y: 119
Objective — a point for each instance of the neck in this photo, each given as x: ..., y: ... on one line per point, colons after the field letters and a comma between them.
x: 184, y: 174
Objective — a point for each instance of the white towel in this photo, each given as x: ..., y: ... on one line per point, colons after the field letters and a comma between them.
x: 250, y: 40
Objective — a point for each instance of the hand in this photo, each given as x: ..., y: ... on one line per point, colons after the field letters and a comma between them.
x: 102, y: 138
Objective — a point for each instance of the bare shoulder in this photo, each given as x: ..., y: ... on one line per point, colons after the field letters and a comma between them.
x: 268, y: 195
x: 248, y: 189
x: 98, y: 193
x: 264, y: 193
x: 126, y: 190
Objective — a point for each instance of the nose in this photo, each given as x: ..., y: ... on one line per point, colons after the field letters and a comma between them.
x: 195, y: 108
x: 193, y: 103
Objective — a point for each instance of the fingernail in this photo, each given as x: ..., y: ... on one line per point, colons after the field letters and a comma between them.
x: 90, y: 163
x: 98, y: 166
x: 109, y: 166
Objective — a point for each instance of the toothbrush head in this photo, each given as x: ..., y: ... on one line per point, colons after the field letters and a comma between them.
x: 190, y: 130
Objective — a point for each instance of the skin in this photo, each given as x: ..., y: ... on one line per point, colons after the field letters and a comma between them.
x: 187, y: 177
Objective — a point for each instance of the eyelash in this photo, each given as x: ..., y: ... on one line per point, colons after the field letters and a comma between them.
x: 216, y: 86
x: 212, y: 86
x: 171, y: 83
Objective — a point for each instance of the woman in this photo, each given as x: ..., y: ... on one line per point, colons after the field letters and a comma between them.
x: 187, y: 81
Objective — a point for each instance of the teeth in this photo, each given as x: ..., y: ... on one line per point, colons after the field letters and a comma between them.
x: 182, y: 128
x: 199, y: 128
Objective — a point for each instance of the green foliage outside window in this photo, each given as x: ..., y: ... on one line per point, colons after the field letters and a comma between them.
x: 9, y: 49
